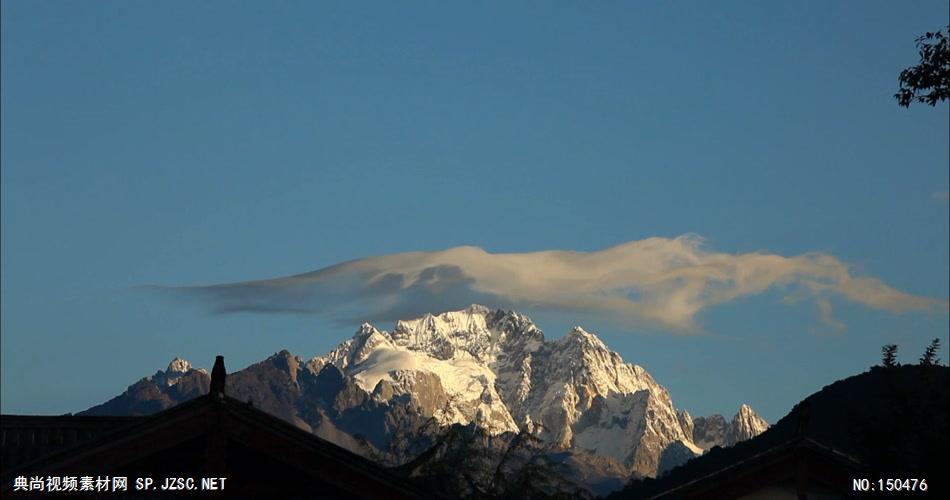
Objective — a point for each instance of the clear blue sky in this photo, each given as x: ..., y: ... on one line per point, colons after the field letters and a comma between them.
x: 194, y: 143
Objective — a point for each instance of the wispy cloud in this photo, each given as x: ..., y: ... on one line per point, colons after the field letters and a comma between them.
x: 824, y: 312
x: 659, y: 281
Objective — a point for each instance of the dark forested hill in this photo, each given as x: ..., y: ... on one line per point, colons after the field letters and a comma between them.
x: 893, y: 421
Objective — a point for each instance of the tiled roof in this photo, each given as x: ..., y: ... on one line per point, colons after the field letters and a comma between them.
x: 24, y: 438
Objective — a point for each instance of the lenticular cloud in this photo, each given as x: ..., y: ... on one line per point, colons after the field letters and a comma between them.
x: 657, y: 281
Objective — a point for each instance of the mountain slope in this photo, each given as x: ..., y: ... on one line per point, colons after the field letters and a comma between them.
x: 178, y: 383
x: 497, y: 370
x: 715, y: 431
x: 894, y: 421
x: 392, y: 395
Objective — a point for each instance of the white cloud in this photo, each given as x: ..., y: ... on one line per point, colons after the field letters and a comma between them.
x: 824, y: 312
x: 659, y: 281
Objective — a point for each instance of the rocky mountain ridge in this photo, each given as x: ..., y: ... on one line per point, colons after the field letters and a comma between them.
x: 392, y: 395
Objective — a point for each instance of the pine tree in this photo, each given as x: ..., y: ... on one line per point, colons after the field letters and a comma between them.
x: 930, y: 355
x: 889, y: 359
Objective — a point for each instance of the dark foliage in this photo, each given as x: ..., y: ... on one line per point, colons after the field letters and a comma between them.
x: 889, y: 356
x: 930, y: 355
x: 929, y: 81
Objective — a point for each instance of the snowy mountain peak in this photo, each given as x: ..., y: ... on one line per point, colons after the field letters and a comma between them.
x: 365, y: 329
x: 390, y: 395
x: 746, y: 424
x: 494, y: 369
x: 585, y: 338
x: 474, y: 332
x: 715, y: 431
x: 471, y: 318
x: 477, y: 309
x: 178, y: 365
x: 176, y: 371
x: 580, y: 332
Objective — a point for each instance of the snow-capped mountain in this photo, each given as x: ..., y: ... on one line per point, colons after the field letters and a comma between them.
x: 715, y: 431
x: 177, y: 383
x: 496, y: 370
x: 745, y: 425
x: 392, y: 395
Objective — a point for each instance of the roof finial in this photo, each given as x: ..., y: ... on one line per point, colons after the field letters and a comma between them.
x: 218, y: 376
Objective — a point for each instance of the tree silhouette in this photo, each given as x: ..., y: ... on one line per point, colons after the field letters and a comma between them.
x: 930, y: 355
x: 889, y: 358
x: 929, y: 81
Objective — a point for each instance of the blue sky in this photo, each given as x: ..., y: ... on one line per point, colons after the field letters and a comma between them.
x: 183, y: 144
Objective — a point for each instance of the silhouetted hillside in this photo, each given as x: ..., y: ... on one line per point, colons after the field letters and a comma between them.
x: 893, y: 421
